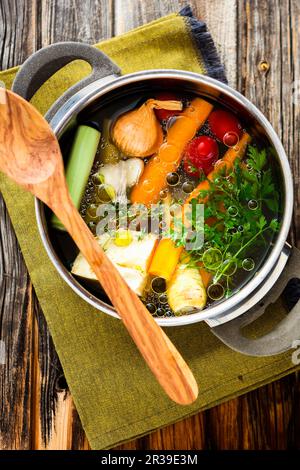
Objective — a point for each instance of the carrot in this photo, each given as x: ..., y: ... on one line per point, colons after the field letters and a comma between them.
x: 169, y: 155
x: 165, y: 260
x: 206, y: 276
x: 168, y: 251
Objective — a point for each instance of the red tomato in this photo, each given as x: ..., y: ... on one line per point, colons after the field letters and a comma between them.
x: 200, y: 155
x: 164, y: 114
x: 225, y: 126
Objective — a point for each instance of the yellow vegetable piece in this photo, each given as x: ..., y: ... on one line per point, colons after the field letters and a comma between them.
x: 165, y: 259
x: 123, y: 237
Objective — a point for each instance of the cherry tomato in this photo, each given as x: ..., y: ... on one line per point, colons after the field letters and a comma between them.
x: 164, y: 114
x: 225, y: 126
x: 200, y: 155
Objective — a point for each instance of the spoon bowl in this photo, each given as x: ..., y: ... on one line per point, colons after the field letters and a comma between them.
x: 34, y: 157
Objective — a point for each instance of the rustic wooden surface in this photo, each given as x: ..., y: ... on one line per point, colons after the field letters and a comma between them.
x: 37, y: 412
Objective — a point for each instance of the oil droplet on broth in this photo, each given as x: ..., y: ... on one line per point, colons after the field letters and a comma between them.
x: 170, y: 153
x: 151, y: 308
x: 253, y: 204
x: 96, y: 179
x: 212, y: 258
x: 233, y: 211
x: 91, y: 212
x: 215, y: 291
x: 158, y: 285
x: 248, y: 264
x: 230, y: 267
x: 148, y: 186
x: 187, y: 187
x: 163, y: 299
x: 160, y: 312
x: 231, y: 139
x: 163, y: 193
x: 172, y: 178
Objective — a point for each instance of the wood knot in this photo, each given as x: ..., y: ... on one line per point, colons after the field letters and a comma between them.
x: 264, y: 66
x: 61, y: 384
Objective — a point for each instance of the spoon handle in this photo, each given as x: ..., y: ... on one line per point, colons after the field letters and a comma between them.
x: 160, y: 354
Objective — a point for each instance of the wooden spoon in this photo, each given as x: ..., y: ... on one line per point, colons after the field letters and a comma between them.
x: 30, y: 155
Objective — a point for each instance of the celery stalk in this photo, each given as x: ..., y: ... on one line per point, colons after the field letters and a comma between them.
x: 79, y: 165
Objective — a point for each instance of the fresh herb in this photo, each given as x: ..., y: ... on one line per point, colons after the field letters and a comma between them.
x: 240, y: 217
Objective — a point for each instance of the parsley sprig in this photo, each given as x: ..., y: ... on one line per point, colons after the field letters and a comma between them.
x: 241, y: 218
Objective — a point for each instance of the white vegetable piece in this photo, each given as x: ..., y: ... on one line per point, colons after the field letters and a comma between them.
x: 134, y: 169
x: 135, y: 255
x: 131, y: 260
x: 122, y: 175
x: 185, y: 290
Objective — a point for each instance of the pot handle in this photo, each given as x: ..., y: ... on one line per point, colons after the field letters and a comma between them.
x: 286, y: 334
x: 48, y: 60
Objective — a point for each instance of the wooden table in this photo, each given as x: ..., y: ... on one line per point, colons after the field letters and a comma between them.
x: 259, y: 43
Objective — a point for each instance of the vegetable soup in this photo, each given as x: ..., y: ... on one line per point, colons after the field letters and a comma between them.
x: 180, y: 192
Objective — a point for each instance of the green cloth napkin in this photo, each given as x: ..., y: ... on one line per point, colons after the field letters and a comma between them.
x: 116, y: 395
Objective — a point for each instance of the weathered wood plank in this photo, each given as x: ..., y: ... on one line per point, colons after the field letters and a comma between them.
x: 16, y: 334
x: 269, y: 57
x: 132, y: 13
x: 16, y: 312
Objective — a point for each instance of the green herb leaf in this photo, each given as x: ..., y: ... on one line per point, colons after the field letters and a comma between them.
x: 274, y: 225
x: 261, y: 222
x: 257, y: 159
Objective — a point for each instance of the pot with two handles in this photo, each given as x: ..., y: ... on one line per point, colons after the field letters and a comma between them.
x: 227, y: 318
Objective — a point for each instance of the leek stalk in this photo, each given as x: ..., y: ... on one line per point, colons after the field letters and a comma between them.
x: 79, y: 165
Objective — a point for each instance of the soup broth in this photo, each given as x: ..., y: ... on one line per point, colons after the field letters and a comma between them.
x: 183, y: 196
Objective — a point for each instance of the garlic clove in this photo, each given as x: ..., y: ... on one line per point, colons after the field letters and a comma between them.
x: 134, y: 169
x: 110, y: 173
x: 120, y: 176
x: 138, y: 133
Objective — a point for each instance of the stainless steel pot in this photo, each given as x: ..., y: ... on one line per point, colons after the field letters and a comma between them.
x: 105, y: 82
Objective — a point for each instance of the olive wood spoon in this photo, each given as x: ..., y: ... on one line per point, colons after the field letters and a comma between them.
x: 30, y: 155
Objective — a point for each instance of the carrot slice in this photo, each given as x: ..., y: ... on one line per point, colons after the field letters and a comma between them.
x: 164, y: 260
x: 206, y: 277
x: 168, y: 158
x: 166, y: 249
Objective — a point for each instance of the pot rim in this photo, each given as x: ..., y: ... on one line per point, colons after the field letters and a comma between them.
x: 97, y: 89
